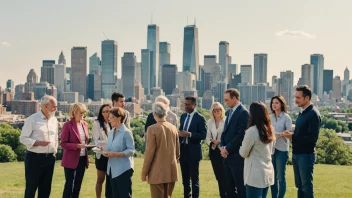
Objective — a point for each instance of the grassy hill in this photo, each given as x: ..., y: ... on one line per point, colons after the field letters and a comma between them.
x: 329, y: 181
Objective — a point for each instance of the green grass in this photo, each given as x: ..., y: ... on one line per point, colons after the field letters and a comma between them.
x: 329, y: 181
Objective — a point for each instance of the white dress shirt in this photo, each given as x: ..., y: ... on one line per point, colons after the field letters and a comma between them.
x: 213, y: 132
x: 189, y: 123
x: 37, y: 127
x: 83, y: 138
x: 98, y: 134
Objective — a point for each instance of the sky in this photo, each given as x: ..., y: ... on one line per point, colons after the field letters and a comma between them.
x: 288, y: 31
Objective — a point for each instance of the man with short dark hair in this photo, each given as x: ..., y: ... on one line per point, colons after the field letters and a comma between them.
x: 192, y: 132
x: 118, y: 100
x: 231, y: 140
x: 304, y: 141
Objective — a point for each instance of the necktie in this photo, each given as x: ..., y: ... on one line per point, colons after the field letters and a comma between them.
x: 185, y: 128
x: 230, y: 115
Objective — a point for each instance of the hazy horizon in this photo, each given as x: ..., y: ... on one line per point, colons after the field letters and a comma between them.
x: 289, y: 32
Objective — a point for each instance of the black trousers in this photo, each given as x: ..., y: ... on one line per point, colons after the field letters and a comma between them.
x: 234, y: 180
x: 122, y: 185
x: 39, y: 169
x: 74, y: 178
x: 190, y: 172
x: 217, y: 163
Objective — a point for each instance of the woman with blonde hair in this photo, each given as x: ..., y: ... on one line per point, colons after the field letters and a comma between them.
x: 215, y: 129
x: 74, y: 138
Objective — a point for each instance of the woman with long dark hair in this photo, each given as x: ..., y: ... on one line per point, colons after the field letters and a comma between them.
x: 101, y: 128
x: 281, y: 122
x: 257, y: 147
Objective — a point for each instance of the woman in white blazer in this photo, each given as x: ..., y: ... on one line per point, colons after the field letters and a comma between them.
x: 101, y: 128
x: 215, y: 128
x: 257, y: 147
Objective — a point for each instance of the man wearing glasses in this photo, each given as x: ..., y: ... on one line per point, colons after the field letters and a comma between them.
x: 40, y: 136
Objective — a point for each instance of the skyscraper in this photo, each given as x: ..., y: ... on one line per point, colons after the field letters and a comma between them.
x: 47, y: 71
x: 318, y: 61
x: 224, y: 59
x: 216, y: 76
x: 68, y: 79
x: 94, y: 86
x: 186, y: 81
x: 94, y: 64
x: 79, y: 70
x: 60, y: 77
x: 169, y: 73
x: 32, y: 79
x: 153, y: 46
x: 138, y: 73
x: 346, y: 74
x: 328, y: 80
x: 285, y: 86
x: 165, y: 57
x: 307, y: 75
x: 260, y: 68
x: 191, y: 50
x: 10, y: 85
x: 62, y: 59
x: 274, y: 81
x: 146, y: 75
x: 108, y: 67
x: 232, y: 70
x: 246, y: 74
x: 19, y: 90
x: 128, y: 74
x: 208, y: 99
x: 258, y: 92
x: 209, y: 63
x: 237, y: 79
x: 337, y: 88
x: 346, y: 80
x: 218, y: 91
x: 245, y: 90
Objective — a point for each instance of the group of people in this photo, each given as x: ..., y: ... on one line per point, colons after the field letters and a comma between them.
x: 248, y: 150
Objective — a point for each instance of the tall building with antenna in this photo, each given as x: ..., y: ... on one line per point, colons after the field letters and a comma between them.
x: 191, y: 50
x: 108, y: 67
x: 153, y: 47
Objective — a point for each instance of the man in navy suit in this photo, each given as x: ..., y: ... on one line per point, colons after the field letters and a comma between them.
x: 231, y: 140
x: 192, y: 132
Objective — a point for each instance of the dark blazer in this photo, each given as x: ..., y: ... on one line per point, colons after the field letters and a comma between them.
x: 199, y: 132
x: 69, y: 139
x: 234, y: 131
x: 150, y: 121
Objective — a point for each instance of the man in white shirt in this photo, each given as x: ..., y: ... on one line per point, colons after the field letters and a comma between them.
x: 118, y: 100
x: 40, y: 136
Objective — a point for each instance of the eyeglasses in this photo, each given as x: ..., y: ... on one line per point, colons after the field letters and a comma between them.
x: 216, y: 110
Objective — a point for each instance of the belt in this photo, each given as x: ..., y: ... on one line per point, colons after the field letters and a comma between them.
x: 40, y: 154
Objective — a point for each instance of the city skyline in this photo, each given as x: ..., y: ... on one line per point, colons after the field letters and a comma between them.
x: 24, y: 44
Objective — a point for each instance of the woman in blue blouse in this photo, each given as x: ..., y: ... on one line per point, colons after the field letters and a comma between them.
x: 281, y: 122
x: 120, y: 150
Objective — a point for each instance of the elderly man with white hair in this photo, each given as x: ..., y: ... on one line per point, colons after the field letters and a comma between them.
x: 40, y: 136
x: 170, y: 116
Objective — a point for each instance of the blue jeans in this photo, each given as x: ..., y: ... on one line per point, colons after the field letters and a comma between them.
x: 303, y: 165
x: 253, y: 192
x: 280, y: 159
